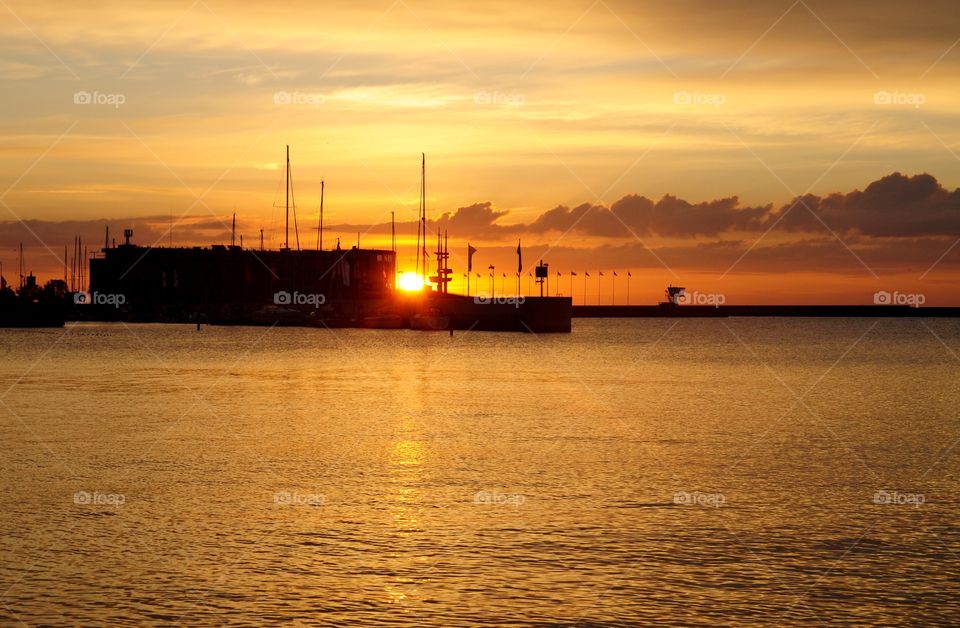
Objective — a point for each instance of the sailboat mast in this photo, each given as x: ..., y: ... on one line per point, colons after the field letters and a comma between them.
x: 320, y: 227
x: 423, y: 206
x: 286, y: 239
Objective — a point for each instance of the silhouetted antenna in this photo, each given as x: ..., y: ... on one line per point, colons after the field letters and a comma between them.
x: 420, y: 213
x: 233, y: 230
x: 423, y: 202
x: 320, y: 226
x: 73, y: 266
x: 286, y: 240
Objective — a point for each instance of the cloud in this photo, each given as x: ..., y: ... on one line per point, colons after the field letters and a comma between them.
x: 478, y: 218
x: 668, y: 217
x: 895, y: 206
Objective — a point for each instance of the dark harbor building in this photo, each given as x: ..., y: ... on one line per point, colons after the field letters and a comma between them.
x: 230, y: 284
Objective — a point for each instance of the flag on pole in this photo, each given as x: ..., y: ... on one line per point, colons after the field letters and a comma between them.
x: 586, y: 274
x: 615, y: 273
x: 629, y: 274
x: 601, y: 273
x: 470, y: 251
x: 573, y: 274
x: 519, y: 259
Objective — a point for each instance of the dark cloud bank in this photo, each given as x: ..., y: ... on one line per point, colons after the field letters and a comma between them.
x: 896, y: 206
x: 898, y: 220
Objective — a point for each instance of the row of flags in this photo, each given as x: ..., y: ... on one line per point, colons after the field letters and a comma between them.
x: 586, y: 274
x: 559, y: 274
x: 471, y: 250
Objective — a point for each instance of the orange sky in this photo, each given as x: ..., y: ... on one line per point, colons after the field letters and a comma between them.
x: 136, y: 112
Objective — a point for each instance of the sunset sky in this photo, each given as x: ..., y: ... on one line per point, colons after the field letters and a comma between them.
x: 671, y: 139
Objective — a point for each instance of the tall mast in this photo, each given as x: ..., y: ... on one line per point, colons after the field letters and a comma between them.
x: 423, y: 207
x: 233, y: 230
x: 320, y: 228
x: 286, y: 239
x: 419, y: 213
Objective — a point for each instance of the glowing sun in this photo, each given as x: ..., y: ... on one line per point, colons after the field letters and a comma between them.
x: 410, y: 281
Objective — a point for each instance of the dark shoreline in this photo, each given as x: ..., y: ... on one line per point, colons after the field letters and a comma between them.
x: 724, y: 311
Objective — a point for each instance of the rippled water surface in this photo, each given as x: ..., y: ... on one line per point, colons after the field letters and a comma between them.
x: 670, y: 472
